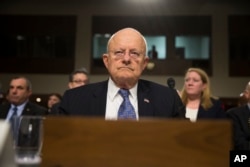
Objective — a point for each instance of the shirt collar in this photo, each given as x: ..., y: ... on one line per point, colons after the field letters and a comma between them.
x: 19, y: 107
x: 113, y: 90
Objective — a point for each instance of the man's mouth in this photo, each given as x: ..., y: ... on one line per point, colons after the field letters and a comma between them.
x: 125, y: 68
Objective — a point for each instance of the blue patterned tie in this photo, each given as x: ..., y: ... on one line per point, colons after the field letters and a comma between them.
x: 13, y: 120
x: 126, y: 110
x: 14, y: 114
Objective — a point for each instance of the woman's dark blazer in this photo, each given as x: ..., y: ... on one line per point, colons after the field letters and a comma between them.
x: 215, y: 112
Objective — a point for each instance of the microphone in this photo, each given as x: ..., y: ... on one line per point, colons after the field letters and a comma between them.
x: 171, y: 83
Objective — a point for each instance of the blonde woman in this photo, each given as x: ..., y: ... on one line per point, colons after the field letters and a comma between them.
x: 197, y: 98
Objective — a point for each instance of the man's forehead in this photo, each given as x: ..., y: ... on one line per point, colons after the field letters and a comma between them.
x: 80, y: 75
x: 127, y: 43
x: 17, y: 82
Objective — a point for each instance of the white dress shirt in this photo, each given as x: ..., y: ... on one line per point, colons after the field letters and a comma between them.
x: 114, y: 100
x: 191, y: 114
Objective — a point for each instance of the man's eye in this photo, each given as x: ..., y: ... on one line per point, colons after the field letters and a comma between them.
x: 134, y: 54
x: 119, y: 53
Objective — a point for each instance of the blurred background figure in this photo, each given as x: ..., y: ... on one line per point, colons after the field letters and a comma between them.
x: 153, y: 54
x: 242, y: 99
x: 53, y: 99
x: 241, y: 122
x: 197, y: 97
x: 2, y: 95
x: 5, y: 97
x: 78, y: 77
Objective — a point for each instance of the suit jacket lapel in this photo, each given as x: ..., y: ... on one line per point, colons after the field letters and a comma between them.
x: 27, y: 110
x: 144, y: 101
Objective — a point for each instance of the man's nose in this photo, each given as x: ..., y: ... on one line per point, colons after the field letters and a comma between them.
x: 13, y: 90
x: 126, y: 56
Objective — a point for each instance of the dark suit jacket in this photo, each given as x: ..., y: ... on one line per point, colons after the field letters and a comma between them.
x: 215, y: 112
x: 29, y: 109
x: 154, y: 100
x: 241, y: 133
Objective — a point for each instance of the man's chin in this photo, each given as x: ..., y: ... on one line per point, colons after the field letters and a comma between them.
x: 125, y: 74
x: 13, y: 101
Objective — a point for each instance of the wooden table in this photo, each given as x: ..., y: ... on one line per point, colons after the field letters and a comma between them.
x: 94, y: 142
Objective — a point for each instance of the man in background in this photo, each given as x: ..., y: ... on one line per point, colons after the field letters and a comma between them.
x: 78, y: 77
x: 20, y: 89
x: 241, y: 122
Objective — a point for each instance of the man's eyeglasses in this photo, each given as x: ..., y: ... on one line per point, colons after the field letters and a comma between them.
x: 79, y: 81
x: 122, y: 53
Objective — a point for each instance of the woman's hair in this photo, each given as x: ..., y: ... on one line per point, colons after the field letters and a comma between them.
x: 206, y: 95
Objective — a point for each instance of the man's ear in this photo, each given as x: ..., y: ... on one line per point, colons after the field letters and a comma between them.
x: 30, y: 93
x: 146, y: 60
x: 105, y: 59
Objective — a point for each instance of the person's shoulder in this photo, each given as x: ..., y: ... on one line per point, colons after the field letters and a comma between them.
x: 88, y: 88
x: 36, y: 106
x: 95, y: 85
x: 147, y: 83
x: 240, y: 111
x: 216, y: 101
x: 237, y: 109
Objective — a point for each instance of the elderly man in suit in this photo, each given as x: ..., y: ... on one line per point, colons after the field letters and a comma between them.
x: 18, y: 103
x: 124, y: 95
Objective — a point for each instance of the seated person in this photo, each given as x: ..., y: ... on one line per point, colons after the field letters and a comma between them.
x: 53, y: 99
x: 124, y: 95
x: 78, y: 77
x: 20, y: 89
x: 197, y: 97
x: 241, y: 121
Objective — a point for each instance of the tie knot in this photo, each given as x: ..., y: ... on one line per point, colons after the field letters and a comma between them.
x: 15, y: 109
x: 124, y: 93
